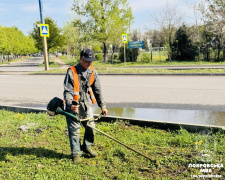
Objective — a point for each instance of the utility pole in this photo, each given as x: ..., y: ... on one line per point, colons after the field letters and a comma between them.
x: 44, y: 40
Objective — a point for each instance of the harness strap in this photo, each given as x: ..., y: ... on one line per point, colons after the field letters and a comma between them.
x: 76, y: 85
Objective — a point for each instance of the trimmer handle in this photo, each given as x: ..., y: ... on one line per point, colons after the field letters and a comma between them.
x: 75, y: 103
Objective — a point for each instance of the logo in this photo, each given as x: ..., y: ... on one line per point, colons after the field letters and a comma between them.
x: 90, y: 54
x: 205, y: 156
x: 208, y: 165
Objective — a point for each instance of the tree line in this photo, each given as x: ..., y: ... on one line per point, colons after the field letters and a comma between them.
x: 105, y: 21
x: 13, y: 44
x: 98, y: 24
x: 204, y: 39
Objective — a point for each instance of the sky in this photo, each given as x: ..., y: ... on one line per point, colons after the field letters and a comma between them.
x: 23, y: 13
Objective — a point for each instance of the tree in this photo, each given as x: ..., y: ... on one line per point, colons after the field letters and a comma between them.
x: 3, y: 40
x: 131, y: 54
x: 167, y: 20
x: 156, y: 37
x: 214, y: 23
x: 14, y: 43
x: 18, y: 41
x: 30, y: 45
x: 146, y: 47
x: 196, y: 29
x: 72, y: 38
x: 55, y: 39
x: 104, y: 20
x: 182, y: 46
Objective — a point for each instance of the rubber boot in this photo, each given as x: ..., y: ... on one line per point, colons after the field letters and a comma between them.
x: 76, y: 159
x: 91, y: 152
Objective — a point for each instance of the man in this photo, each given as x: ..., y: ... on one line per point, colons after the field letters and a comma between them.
x: 80, y: 84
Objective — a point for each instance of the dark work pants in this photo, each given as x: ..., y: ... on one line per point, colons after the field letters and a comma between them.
x: 74, y: 133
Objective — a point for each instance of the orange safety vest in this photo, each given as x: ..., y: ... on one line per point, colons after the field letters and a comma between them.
x: 76, y: 83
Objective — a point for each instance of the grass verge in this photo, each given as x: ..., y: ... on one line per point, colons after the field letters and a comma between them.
x: 135, y: 67
x: 43, y: 152
x: 71, y: 61
x: 107, y: 70
x: 52, y: 64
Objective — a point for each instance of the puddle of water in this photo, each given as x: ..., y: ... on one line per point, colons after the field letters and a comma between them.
x: 201, y: 117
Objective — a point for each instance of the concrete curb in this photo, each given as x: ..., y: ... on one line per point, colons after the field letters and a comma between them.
x: 22, y: 109
x: 140, y: 122
x: 165, y: 125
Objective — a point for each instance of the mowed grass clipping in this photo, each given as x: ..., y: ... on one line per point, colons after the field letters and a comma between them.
x: 43, y: 151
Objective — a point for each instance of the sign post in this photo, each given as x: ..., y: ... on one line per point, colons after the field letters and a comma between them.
x: 124, y: 40
x: 135, y: 44
x: 44, y: 32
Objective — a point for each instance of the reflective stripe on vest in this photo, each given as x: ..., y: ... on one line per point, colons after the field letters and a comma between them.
x: 76, y: 85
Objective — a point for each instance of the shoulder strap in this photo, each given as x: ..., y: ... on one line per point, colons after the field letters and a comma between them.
x: 75, y: 83
x: 92, y: 76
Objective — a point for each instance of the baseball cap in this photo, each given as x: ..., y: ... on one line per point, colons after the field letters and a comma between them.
x: 88, y: 55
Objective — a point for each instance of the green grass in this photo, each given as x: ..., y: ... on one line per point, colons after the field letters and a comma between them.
x: 115, y: 70
x: 156, y: 56
x: 69, y: 60
x: 135, y: 67
x: 52, y: 64
x: 46, y: 155
x: 116, y: 63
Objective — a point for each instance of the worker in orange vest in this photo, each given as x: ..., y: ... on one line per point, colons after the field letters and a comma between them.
x: 81, y: 90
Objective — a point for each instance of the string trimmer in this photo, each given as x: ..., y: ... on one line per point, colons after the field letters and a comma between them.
x: 55, y: 106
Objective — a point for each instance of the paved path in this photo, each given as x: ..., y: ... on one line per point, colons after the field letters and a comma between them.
x: 23, y: 66
x: 28, y: 65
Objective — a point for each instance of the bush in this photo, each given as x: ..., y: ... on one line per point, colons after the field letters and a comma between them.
x: 129, y: 55
x: 146, y: 57
x: 96, y: 47
x: 115, y: 56
x: 99, y: 57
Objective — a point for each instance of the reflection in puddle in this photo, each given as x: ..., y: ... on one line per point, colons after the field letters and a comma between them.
x: 170, y: 115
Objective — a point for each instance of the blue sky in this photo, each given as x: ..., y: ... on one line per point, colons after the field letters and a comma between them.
x: 23, y: 13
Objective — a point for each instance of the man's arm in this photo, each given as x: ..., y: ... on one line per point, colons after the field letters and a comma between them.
x: 96, y: 88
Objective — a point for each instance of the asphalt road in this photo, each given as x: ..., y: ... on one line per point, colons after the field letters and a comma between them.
x: 26, y: 65
x: 170, y: 92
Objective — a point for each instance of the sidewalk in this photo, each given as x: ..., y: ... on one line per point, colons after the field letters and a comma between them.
x: 30, y: 65
x: 62, y: 65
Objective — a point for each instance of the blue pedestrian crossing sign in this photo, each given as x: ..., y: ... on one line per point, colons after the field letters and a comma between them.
x: 44, y: 30
x: 124, y: 38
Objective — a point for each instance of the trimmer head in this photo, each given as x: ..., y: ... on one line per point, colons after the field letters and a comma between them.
x: 53, y: 106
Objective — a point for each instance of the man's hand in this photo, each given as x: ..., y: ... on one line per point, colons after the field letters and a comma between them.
x: 104, y: 112
x: 75, y: 108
